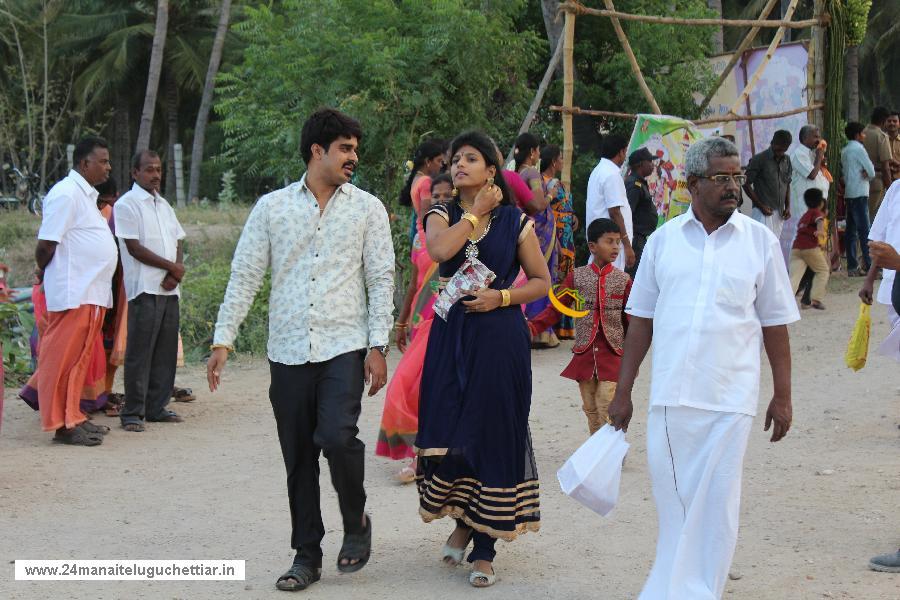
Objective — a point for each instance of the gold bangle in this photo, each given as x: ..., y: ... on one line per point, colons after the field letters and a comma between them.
x: 471, y: 219
x: 227, y: 347
x: 505, y: 296
x: 401, y: 325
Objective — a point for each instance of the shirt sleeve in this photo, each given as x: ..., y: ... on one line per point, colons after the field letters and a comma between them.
x: 633, y: 194
x: 127, y: 223
x: 592, y: 198
x: 878, y: 231
x: 58, y: 217
x: 179, y: 230
x: 248, y: 267
x: 644, y: 292
x: 378, y: 265
x: 614, y: 192
x: 753, y: 170
x: 802, y: 164
x: 884, y: 149
x: 775, y: 302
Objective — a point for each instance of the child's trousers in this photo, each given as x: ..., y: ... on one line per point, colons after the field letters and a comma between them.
x: 815, y: 259
x: 596, y: 397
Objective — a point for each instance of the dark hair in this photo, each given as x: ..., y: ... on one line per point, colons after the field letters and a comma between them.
x: 813, y: 197
x: 611, y: 145
x: 323, y: 127
x: 598, y: 227
x: 107, y: 188
x: 893, y: 112
x: 853, y: 129
x: 138, y: 158
x: 441, y: 178
x: 525, y: 143
x: 549, y: 154
x: 85, y: 146
x: 879, y: 114
x: 425, y: 152
x: 782, y: 137
x: 488, y: 150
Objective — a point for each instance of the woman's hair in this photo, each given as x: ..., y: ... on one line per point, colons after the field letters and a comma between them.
x: 525, y: 143
x: 549, y: 154
x: 441, y: 178
x: 488, y: 150
x: 425, y: 152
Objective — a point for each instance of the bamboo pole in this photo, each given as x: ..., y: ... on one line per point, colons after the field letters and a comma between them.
x: 579, y: 9
x: 539, y: 96
x: 635, y: 67
x: 765, y: 62
x: 819, y: 74
x: 606, y: 113
x: 736, y: 56
x: 568, y: 94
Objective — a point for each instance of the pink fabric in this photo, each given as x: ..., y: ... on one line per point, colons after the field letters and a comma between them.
x: 520, y: 190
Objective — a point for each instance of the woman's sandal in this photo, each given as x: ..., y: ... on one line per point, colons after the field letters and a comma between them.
x: 451, y: 556
x: 77, y: 436
x: 298, y: 577
x: 358, y: 547
x: 482, y: 580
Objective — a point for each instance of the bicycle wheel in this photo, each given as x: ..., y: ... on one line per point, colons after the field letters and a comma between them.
x: 36, y: 205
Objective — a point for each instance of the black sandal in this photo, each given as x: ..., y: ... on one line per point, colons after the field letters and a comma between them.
x: 77, y: 436
x: 356, y: 546
x: 94, y: 429
x: 303, y: 576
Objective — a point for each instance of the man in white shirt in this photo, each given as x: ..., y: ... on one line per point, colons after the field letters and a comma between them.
x: 607, y: 198
x: 76, y: 258
x: 885, y: 228
x: 712, y: 288
x: 328, y: 244
x: 150, y: 240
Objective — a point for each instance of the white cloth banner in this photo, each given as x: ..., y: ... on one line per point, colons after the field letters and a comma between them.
x: 592, y: 474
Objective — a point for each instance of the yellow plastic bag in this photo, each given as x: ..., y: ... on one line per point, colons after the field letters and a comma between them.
x: 858, y: 348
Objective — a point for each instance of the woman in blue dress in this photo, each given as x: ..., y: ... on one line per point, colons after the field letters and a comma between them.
x: 476, y: 463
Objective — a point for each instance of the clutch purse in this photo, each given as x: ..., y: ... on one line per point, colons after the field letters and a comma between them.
x: 472, y: 276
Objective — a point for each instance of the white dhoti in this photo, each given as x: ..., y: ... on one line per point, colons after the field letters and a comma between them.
x: 890, y: 347
x: 696, y: 460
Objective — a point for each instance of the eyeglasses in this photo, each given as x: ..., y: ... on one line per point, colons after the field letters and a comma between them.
x: 723, y: 179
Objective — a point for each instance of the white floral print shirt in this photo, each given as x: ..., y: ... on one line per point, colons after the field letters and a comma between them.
x: 332, y: 274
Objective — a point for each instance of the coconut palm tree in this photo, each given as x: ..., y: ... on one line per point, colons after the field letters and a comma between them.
x: 156, y: 64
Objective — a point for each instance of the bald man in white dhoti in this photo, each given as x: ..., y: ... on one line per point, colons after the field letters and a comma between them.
x: 712, y: 289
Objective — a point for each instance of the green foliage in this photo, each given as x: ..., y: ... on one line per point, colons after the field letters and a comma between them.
x: 16, y: 324
x: 857, y: 20
x: 834, y: 92
x: 227, y: 195
x: 415, y: 66
x: 208, y: 265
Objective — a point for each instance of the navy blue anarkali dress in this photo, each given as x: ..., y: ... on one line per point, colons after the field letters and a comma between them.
x: 475, y: 457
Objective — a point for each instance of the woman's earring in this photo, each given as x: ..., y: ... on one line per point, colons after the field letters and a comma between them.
x: 455, y: 192
x: 490, y: 181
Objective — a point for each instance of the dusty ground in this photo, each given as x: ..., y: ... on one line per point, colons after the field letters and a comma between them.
x: 213, y: 488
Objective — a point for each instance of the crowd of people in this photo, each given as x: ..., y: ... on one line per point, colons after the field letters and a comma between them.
x: 708, y: 289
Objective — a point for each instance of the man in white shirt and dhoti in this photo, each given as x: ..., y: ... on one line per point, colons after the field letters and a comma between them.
x: 711, y: 291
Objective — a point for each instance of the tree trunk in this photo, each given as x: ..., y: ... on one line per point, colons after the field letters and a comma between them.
x: 156, y: 62
x: 206, y: 100
x: 718, y: 38
x: 121, y: 140
x: 172, y: 118
x: 851, y: 77
x: 554, y: 26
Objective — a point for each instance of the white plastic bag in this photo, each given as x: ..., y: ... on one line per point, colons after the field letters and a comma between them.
x: 592, y: 474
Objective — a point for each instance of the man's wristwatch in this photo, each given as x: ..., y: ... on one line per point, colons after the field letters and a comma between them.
x: 383, y: 349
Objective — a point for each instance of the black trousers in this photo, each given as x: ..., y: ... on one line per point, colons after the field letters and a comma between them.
x: 151, y: 354
x: 637, y: 244
x: 316, y: 408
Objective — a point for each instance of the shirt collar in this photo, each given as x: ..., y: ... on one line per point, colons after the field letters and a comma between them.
x: 89, y: 190
x: 144, y: 193
x: 604, y: 271
x: 735, y: 220
x: 345, y: 188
